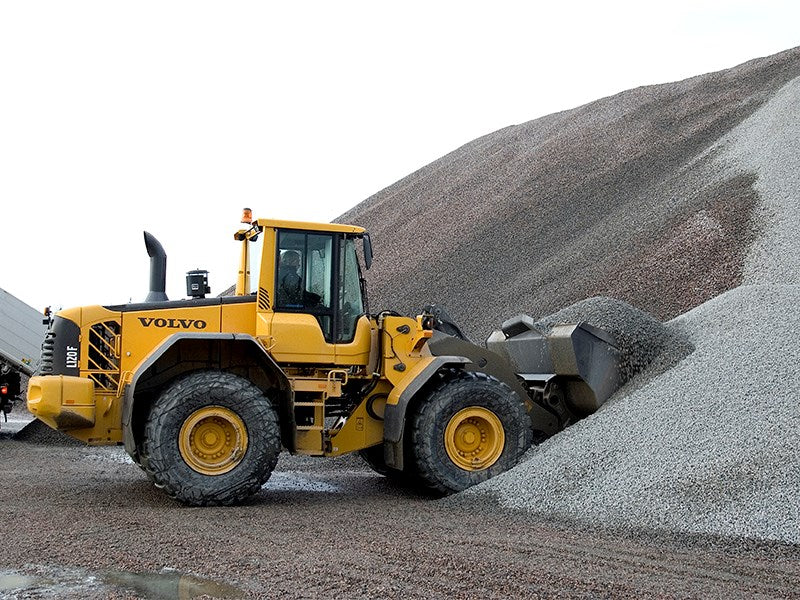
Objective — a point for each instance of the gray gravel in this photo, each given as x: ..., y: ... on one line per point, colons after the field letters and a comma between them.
x: 768, y: 143
x: 665, y: 197
x: 710, y: 446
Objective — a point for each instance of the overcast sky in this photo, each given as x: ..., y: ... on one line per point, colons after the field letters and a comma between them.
x: 116, y: 117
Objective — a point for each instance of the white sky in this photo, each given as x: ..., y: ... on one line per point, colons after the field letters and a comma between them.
x: 117, y: 117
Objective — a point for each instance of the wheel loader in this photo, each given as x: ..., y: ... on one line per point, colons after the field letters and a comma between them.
x: 205, y: 392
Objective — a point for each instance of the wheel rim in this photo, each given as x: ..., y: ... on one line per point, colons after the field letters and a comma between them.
x: 213, y: 440
x: 474, y: 438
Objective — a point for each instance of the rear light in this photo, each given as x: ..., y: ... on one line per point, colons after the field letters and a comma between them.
x: 3, y: 390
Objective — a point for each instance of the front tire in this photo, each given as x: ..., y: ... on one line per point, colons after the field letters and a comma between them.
x: 407, y: 478
x: 212, y: 438
x: 469, y: 428
x: 373, y: 456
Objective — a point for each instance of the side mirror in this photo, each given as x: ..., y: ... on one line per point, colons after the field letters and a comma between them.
x: 367, y: 251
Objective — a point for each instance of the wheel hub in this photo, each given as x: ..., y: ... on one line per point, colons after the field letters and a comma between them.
x: 474, y: 438
x: 213, y: 440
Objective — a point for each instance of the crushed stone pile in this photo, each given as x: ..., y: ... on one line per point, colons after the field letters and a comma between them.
x: 643, y: 340
x: 710, y: 446
x: 628, y: 197
x: 768, y: 144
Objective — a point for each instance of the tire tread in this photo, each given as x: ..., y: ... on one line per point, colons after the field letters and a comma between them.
x: 177, y: 479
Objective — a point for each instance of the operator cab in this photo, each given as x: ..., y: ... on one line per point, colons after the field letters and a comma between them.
x: 318, y: 273
x: 311, y: 295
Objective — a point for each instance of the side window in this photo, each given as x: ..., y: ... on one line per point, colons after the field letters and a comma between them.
x: 351, y: 304
x: 304, y: 274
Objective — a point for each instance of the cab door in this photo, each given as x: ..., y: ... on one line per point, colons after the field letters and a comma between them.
x: 319, y: 310
x: 354, y: 332
x: 304, y: 309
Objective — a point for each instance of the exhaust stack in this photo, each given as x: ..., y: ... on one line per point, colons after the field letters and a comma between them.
x: 158, y: 269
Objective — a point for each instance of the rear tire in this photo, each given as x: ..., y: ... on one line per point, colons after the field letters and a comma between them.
x: 469, y: 428
x: 212, y: 438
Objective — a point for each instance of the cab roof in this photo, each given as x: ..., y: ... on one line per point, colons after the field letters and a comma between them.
x: 309, y: 226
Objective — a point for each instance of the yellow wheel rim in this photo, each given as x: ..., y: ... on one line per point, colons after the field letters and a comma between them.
x: 213, y: 440
x: 474, y: 438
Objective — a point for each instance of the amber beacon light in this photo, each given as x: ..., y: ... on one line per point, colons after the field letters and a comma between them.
x: 247, y: 216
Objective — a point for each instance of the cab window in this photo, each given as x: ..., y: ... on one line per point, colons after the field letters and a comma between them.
x: 304, y: 276
x: 351, y: 304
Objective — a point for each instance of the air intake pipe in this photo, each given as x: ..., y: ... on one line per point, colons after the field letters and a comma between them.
x: 158, y: 269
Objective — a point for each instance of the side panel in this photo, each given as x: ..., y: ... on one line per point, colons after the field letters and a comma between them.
x: 239, y: 318
x: 21, y: 333
x: 297, y: 338
x: 358, y: 351
x: 145, y: 330
x: 361, y: 430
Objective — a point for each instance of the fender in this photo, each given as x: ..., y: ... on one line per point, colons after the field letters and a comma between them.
x: 130, y: 389
x: 394, y: 419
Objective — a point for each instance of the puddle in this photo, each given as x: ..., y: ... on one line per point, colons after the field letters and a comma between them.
x: 11, y: 582
x: 167, y: 584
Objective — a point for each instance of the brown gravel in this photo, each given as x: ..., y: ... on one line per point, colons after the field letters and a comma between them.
x: 333, y: 529
x: 615, y: 198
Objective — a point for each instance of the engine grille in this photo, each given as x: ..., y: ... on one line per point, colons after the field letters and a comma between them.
x: 104, y: 355
x: 48, y: 349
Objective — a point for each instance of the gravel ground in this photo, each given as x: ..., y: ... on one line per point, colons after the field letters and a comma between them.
x: 90, y: 525
x: 710, y: 446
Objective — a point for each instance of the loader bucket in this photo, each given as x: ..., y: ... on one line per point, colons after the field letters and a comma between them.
x: 583, y: 358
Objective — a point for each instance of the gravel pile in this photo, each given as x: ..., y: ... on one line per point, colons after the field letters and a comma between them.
x: 710, y: 446
x: 623, y: 197
x: 642, y: 339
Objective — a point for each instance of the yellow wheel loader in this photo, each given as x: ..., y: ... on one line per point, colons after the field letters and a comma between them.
x: 205, y: 392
